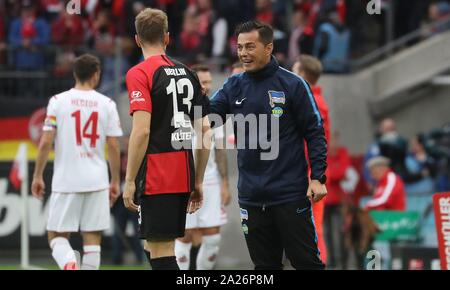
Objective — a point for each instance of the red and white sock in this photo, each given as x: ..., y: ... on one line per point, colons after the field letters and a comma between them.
x: 183, y: 253
x: 209, y: 250
x: 63, y: 254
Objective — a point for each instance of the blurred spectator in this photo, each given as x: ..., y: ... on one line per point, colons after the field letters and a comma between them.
x: 103, y: 31
x: 338, y: 164
x: 68, y: 33
x: 28, y: 36
x: 12, y: 8
x: 298, y: 25
x: 201, y: 29
x: 2, y: 36
x: 115, y: 66
x: 439, y: 11
x: 237, y: 68
x: 363, y: 37
x: 265, y: 14
x: 103, y: 40
x: 264, y: 11
x: 421, y: 168
x: 68, y: 30
x: 205, y: 16
x: 332, y: 45
x: 389, y: 192
x: 438, y: 146
x: 132, y: 9
x: 52, y: 8
x: 213, y: 29
x: 393, y: 146
x: 190, y: 39
x: 390, y: 144
x: 350, y: 182
x: 311, y: 10
x: 63, y: 64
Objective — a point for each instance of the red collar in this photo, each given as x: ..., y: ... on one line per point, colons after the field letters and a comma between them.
x: 385, y: 176
x: 317, y: 90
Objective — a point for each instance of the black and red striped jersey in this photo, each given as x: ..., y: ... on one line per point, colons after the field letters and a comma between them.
x: 169, y: 91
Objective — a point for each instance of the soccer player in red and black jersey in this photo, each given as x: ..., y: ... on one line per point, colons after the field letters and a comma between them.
x: 163, y: 95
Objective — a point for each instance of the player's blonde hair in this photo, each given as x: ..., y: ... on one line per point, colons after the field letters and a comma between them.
x: 311, y: 66
x: 152, y: 26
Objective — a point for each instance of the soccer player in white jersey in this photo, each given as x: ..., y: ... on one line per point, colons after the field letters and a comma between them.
x: 203, y: 226
x: 80, y: 122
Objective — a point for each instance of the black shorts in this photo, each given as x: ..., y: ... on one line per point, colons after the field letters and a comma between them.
x: 288, y: 228
x: 163, y: 216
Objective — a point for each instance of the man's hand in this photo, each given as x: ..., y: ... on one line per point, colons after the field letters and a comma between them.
x: 114, y: 192
x: 196, y: 199
x: 316, y: 191
x: 38, y: 187
x: 128, y: 195
x: 225, y: 194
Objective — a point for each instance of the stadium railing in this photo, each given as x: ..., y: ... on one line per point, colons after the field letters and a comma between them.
x: 397, y: 45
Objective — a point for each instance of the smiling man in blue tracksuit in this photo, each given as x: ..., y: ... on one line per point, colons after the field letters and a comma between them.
x: 275, y: 195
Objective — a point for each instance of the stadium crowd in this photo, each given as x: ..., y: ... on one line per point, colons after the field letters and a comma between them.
x: 42, y: 35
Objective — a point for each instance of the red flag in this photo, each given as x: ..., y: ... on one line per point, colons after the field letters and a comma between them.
x: 17, y: 173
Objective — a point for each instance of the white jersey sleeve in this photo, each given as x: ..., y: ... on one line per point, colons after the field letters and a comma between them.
x: 50, y: 119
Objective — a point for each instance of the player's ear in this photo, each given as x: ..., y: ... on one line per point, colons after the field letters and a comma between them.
x: 98, y: 75
x: 138, y: 41
x: 269, y: 48
x: 296, y: 68
x: 166, y: 39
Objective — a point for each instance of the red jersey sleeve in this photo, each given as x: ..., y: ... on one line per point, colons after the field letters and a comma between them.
x: 139, y: 88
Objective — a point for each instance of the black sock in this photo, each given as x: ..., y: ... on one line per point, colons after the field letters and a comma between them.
x: 147, y: 254
x: 193, y: 257
x: 164, y: 263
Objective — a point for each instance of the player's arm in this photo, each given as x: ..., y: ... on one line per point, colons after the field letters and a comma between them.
x: 137, y: 147
x: 140, y: 109
x: 203, y: 131
x: 45, y: 146
x: 114, y: 132
x: 311, y: 124
x: 222, y: 165
x: 114, y: 167
x: 220, y: 100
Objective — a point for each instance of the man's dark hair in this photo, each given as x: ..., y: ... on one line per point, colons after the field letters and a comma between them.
x: 85, y: 67
x: 200, y: 68
x: 265, y: 30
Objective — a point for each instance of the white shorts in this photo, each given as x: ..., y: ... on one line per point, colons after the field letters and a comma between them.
x: 212, y: 213
x: 84, y: 211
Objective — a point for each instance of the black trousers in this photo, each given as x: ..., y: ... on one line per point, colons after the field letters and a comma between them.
x: 288, y: 228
